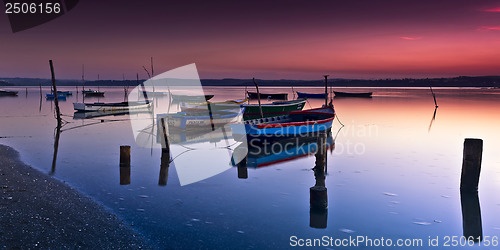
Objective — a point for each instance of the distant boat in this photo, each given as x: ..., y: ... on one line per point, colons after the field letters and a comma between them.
x: 8, y: 92
x: 103, y: 107
x: 63, y: 92
x: 103, y: 113
x: 52, y: 97
x: 278, y: 96
x: 311, y: 95
x: 191, y: 98
x: 350, y: 94
x: 91, y: 92
x: 294, y: 124
x: 263, y: 155
x: 202, y: 119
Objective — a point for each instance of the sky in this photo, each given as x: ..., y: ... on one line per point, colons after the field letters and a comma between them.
x: 291, y: 39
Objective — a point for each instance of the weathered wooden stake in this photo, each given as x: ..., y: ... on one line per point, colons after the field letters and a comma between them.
x: 258, y: 98
x: 326, y: 90
x: 242, y: 169
x: 124, y: 156
x: 318, y: 194
x: 124, y: 165
x: 56, y: 100
x: 471, y: 165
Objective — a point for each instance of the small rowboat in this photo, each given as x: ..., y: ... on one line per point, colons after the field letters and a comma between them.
x: 278, y: 96
x: 311, y: 95
x: 252, y: 111
x: 8, y: 93
x: 103, y: 107
x: 229, y: 104
x: 350, y: 94
x: 63, y: 93
x: 59, y: 97
x: 191, y: 98
x: 202, y: 119
x: 296, y: 123
x: 91, y: 92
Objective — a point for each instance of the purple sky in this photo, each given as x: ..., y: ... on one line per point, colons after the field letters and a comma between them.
x: 262, y: 39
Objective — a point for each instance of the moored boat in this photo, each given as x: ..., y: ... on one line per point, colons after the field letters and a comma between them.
x: 252, y: 111
x: 294, y: 124
x: 63, y: 92
x: 103, y: 107
x: 229, y: 104
x: 352, y: 94
x: 59, y: 97
x: 202, y: 119
x: 191, y: 98
x: 91, y: 92
x: 8, y: 92
x: 311, y: 95
x: 277, y: 96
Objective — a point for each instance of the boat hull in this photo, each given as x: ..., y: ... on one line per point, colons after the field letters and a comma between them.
x: 182, y: 120
x: 278, y: 96
x: 311, y: 95
x: 349, y: 94
x: 104, y: 107
x: 191, y: 98
x: 297, y: 123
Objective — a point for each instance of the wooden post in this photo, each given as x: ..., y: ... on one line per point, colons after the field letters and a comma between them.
x: 258, y: 98
x: 124, y: 165
x: 434, y: 96
x: 124, y: 156
x: 242, y: 169
x: 318, y: 193
x: 26, y: 92
x: 56, y: 100
x: 326, y: 90
x: 471, y: 165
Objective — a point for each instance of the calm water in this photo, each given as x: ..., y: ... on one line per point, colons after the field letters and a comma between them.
x: 394, y: 171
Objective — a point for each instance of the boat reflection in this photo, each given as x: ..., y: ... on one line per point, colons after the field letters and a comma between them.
x: 266, y: 154
x: 471, y: 216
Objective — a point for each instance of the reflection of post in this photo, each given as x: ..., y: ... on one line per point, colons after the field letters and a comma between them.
x: 318, y: 197
x: 471, y: 216
x: 56, y: 148
x: 124, y: 165
x: 471, y: 170
x: 242, y: 169
x: 165, y: 156
x: 164, y: 165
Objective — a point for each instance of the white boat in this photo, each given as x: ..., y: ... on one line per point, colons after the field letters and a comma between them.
x: 103, y: 107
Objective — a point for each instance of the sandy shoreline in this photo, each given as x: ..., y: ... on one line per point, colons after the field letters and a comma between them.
x: 37, y: 210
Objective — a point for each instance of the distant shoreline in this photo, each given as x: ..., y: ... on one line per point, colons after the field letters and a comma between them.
x: 462, y: 81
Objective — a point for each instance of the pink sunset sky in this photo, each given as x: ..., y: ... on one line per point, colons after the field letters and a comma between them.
x: 262, y: 39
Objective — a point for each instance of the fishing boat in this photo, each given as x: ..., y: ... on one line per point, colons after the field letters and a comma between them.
x: 52, y: 97
x: 229, y: 104
x: 311, y: 95
x: 202, y: 119
x: 91, y: 92
x: 278, y: 96
x: 252, y: 111
x: 294, y: 124
x: 263, y: 155
x: 8, y: 92
x: 63, y: 93
x: 191, y: 98
x: 350, y: 94
x: 103, y: 107
x: 103, y: 113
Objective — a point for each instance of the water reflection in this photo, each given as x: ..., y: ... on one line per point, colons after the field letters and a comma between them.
x: 471, y: 216
x: 318, y: 195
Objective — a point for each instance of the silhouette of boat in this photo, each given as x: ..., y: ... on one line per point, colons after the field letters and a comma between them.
x: 311, y: 95
x: 278, y: 96
x: 350, y: 94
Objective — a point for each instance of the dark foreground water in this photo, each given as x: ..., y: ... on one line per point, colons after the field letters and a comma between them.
x: 394, y: 173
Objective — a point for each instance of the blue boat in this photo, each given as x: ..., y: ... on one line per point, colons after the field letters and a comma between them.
x: 311, y: 95
x: 296, y: 123
x: 63, y: 93
x: 52, y: 97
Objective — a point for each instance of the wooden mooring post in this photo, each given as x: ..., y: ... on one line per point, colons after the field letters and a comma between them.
x: 471, y: 165
x: 124, y: 165
x: 318, y: 194
x: 469, y: 183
